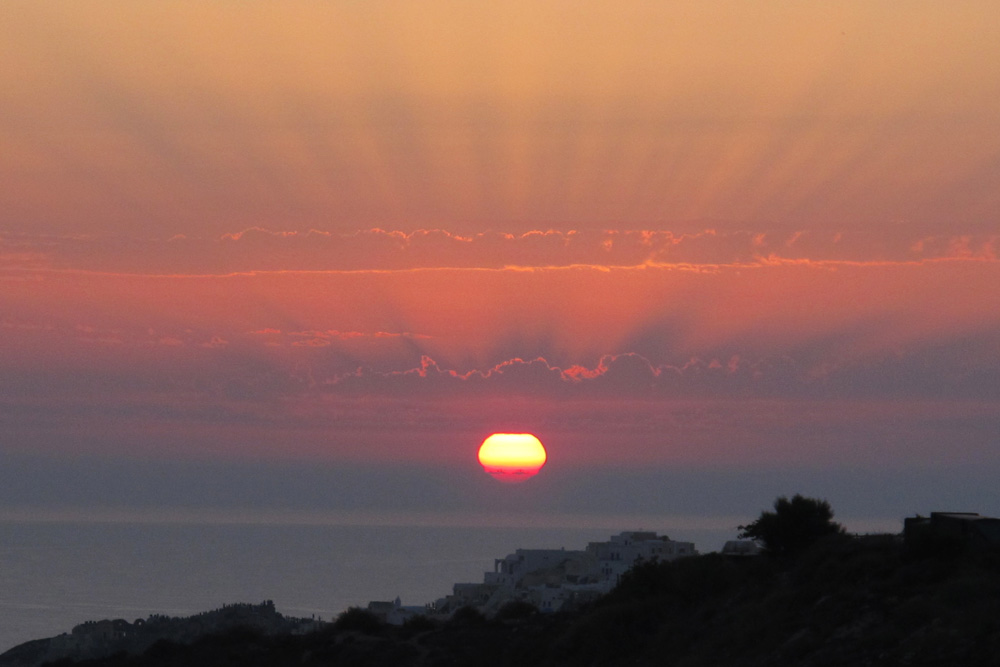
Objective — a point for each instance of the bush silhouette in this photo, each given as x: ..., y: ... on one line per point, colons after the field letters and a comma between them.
x: 467, y: 616
x: 419, y: 623
x: 792, y: 526
x: 516, y: 610
x: 358, y: 619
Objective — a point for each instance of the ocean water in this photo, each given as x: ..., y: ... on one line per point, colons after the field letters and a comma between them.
x: 55, y: 574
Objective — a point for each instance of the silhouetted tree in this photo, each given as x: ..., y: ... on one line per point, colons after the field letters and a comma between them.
x: 793, y: 525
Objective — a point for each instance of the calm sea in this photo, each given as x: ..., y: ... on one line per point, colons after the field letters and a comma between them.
x: 55, y: 574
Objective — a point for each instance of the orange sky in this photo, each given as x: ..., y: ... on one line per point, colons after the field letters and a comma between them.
x: 186, y: 117
x: 708, y: 233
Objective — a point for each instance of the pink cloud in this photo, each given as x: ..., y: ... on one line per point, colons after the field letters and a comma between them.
x: 258, y: 249
x: 312, y: 342
x: 170, y: 341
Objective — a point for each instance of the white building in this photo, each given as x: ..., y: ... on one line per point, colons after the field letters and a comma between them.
x: 740, y: 548
x: 540, y: 565
x: 551, y: 578
x: 624, y: 550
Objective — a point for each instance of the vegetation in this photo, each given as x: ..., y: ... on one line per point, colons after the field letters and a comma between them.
x: 516, y: 610
x: 468, y: 616
x: 358, y: 620
x: 792, y: 526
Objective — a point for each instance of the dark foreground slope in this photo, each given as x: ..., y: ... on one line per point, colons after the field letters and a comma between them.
x: 844, y: 601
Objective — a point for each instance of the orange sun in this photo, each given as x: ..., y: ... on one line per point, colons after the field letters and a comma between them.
x: 512, y: 457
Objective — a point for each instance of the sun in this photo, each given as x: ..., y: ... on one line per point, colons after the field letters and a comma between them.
x: 512, y: 457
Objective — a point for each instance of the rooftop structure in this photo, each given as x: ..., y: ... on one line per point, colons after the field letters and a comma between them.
x: 966, y: 528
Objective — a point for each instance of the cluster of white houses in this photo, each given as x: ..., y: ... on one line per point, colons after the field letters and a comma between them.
x: 548, y: 578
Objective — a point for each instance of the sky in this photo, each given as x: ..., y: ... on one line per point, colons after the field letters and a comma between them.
x: 304, y: 256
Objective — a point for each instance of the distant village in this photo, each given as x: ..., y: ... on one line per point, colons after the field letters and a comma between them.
x: 554, y: 579
x: 549, y: 580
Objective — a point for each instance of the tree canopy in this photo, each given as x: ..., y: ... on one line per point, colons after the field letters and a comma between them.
x: 793, y: 525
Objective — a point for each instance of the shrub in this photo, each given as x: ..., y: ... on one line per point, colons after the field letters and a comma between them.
x: 358, y: 619
x: 468, y: 616
x: 792, y: 526
x: 516, y: 610
x: 419, y: 623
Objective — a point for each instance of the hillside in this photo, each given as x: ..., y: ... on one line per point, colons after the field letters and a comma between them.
x: 843, y: 601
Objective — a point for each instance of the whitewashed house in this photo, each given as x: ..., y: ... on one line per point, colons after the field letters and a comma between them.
x: 624, y: 550
x: 552, y: 578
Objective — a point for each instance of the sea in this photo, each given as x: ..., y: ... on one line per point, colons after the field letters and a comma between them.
x: 59, y: 570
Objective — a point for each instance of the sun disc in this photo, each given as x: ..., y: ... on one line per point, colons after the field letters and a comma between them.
x: 512, y: 457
